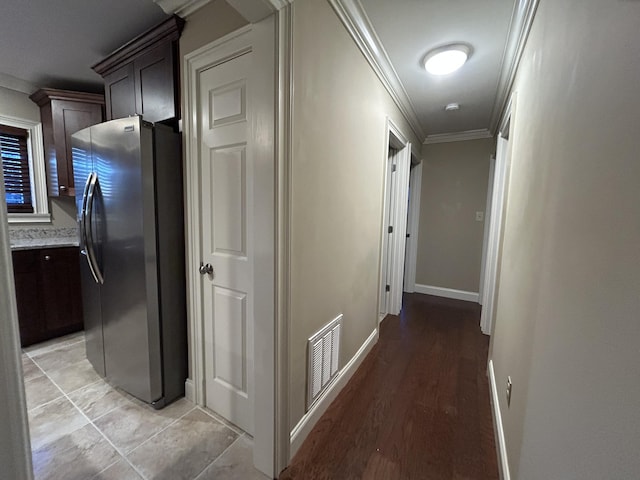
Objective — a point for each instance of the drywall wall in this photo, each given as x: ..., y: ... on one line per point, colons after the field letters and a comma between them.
x: 214, y: 20
x: 19, y: 105
x: 567, y: 327
x: 454, y: 188
x: 339, y: 152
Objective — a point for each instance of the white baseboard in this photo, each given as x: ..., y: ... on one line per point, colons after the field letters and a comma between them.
x: 448, y: 293
x: 308, y: 421
x: 497, y: 423
x: 189, y: 391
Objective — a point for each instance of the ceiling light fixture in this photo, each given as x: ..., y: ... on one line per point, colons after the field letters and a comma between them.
x: 452, y: 106
x: 446, y: 59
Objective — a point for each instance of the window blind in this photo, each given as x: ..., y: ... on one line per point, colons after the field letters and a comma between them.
x: 15, y: 166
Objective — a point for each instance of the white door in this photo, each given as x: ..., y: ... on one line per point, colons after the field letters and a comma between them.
x: 227, y: 245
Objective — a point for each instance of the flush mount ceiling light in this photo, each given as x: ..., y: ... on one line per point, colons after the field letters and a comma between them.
x: 452, y: 107
x: 446, y: 59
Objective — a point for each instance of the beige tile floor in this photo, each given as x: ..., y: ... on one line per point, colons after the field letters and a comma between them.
x: 82, y: 428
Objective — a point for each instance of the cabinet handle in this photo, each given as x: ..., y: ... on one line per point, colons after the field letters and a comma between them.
x: 63, y: 188
x: 47, y: 258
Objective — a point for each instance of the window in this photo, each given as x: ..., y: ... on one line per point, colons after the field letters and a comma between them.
x: 15, y: 166
x: 22, y: 154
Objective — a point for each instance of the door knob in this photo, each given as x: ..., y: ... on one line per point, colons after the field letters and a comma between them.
x: 206, y: 269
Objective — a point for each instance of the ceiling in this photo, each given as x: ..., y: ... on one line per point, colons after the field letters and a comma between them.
x: 408, y: 29
x: 54, y: 43
x: 55, y: 47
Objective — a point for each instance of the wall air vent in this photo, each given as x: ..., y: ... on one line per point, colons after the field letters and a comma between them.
x: 324, y: 356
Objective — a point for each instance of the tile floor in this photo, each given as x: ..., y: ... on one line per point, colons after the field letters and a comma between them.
x: 82, y: 428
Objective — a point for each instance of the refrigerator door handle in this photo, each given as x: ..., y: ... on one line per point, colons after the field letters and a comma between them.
x: 88, y: 233
x: 83, y: 218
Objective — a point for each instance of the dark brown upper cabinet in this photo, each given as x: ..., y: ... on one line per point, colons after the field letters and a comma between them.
x: 142, y: 76
x: 63, y: 113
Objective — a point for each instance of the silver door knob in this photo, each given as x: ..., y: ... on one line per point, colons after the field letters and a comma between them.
x: 47, y: 257
x: 206, y: 269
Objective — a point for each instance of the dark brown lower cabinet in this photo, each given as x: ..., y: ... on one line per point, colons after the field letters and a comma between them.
x: 48, y: 293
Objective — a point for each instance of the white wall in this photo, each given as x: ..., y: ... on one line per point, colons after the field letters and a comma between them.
x: 339, y: 152
x: 567, y: 328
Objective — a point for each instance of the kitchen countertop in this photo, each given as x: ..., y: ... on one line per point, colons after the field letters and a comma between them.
x: 47, y: 237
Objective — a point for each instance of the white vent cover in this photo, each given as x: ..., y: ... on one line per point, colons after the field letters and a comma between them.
x: 324, y: 355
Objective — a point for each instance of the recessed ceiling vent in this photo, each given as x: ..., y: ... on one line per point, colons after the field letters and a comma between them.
x: 324, y: 356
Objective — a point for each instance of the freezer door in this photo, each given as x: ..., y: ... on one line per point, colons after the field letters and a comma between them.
x: 122, y: 152
x: 91, y: 308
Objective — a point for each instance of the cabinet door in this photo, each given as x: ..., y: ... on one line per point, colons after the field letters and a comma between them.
x: 68, y: 118
x: 155, y: 86
x: 119, y: 90
x: 26, y: 272
x: 61, y: 295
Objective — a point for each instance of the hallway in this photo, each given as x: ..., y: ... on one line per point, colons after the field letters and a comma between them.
x: 418, y: 407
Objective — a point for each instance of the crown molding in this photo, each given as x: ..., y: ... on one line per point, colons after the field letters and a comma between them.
x: 182, y: 8
x: 458, y: 136
x: 280, y: 4
x: 359, y: 27
x: 16, y: 84
x: 521, y: 20
x: 252, y: 10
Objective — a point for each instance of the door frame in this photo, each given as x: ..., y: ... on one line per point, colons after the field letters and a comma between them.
x: 14, y: 426
x: 261, y: 39
x: 496, y: 220
x: 394, y: 138
x: 413, y: 219
x: 487, y: 224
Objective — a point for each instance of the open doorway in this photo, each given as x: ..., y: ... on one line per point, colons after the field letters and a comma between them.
x: 394, y: 226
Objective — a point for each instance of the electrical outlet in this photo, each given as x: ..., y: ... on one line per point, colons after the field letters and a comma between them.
x: 509, y: 385
x: 479, y: 216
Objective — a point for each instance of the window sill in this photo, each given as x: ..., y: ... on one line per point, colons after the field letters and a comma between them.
x: 29, y: 218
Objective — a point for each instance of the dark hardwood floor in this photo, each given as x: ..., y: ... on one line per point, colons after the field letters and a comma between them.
x: 418, y: 406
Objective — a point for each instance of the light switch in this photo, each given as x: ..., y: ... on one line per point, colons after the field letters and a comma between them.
x: 479, y: 216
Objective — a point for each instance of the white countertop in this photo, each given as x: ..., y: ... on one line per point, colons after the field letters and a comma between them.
x: 43, y: 237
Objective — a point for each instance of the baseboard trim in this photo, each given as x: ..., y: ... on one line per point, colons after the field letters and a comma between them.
x: 448, y: 293
x: 189, y: 391
x: 497, y: 423
x: 309, y: 420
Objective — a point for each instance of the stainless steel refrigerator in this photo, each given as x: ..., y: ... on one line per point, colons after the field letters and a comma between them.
x: 128, y: 177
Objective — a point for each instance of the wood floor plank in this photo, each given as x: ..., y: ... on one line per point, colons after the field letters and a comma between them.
x: 417, y: 408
